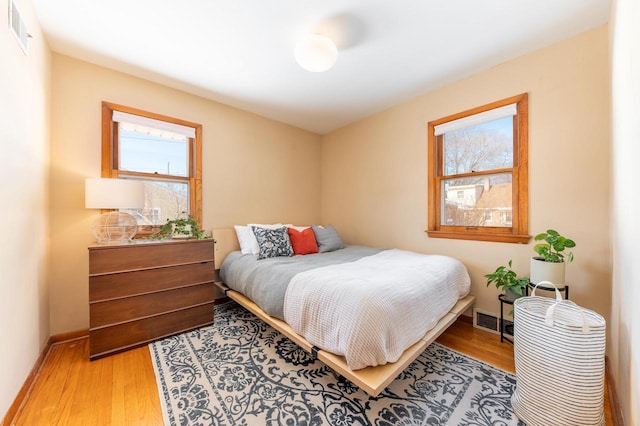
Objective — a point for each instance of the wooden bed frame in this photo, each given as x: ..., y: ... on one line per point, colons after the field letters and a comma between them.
x: 372, y: 380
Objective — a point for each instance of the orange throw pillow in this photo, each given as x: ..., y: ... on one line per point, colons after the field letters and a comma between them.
x: 303, y: 242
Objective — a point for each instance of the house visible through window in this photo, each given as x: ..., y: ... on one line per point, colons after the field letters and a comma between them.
x: 478, y: 173
x: 163, y: 152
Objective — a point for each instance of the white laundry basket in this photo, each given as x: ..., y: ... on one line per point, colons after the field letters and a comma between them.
x: 559, y: 350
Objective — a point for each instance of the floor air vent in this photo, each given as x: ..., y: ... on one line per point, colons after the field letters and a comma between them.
x: 486, y: 320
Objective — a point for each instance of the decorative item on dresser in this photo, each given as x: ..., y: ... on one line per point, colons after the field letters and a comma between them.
x: 105, y: 193
x: 143, y: 291
x: 185, y: 227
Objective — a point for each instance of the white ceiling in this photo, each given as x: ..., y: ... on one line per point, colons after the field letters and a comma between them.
x: 241, y: 52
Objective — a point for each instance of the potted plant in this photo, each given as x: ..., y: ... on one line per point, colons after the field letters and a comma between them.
x: 185, y: 228
x: 507, y: 279
x: 550, y: 263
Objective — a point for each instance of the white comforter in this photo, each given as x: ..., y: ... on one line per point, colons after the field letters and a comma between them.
x: 372, y: 309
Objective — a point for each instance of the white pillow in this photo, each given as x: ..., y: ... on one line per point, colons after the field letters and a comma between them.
x: 248, y: 241
x: 245, y: 238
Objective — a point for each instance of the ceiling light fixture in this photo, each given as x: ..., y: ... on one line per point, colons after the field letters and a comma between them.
x: 316, y: 53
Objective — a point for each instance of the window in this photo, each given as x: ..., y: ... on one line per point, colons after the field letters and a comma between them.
x: 165, y: 153
x: 481, y: 154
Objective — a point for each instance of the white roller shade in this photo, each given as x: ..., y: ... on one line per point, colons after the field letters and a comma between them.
x: 473, y: 120
x: 123, y: 117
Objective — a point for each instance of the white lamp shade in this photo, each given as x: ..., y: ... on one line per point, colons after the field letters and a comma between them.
x: 316, y: 53
x: 113, y: 194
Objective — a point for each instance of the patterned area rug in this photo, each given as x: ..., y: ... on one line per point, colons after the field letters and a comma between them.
x: 241, y: 371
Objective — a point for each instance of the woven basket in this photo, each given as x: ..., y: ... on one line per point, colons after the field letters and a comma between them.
x: 559, y: 352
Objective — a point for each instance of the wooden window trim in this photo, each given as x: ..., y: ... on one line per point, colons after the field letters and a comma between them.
x: 110, y: 156
x: 518, y: 233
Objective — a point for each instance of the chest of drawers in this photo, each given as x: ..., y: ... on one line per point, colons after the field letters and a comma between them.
x: 143, y: 291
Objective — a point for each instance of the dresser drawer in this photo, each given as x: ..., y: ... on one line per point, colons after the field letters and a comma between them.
x: 123, y: 284
x: 105, y: 341
x: 136, y: 307
x: 107, y: 260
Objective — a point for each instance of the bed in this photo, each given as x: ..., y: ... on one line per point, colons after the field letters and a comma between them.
x: 346, y: 307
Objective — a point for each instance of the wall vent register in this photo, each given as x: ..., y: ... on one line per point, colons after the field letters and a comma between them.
x: 18, y: 27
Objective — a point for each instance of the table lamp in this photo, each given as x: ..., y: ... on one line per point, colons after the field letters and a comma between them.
x: 104, y: 193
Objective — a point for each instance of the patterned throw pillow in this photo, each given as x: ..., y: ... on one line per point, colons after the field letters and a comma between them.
x: 272, y: 242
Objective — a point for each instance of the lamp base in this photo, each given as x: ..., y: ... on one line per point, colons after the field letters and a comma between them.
x: 114, y: 227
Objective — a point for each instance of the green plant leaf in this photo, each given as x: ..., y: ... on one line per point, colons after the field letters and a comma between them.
x: 505, y: 278
x: 179, y: 226
x: 552, y: 251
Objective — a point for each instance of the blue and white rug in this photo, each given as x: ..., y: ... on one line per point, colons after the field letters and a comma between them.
x: 241, y: 371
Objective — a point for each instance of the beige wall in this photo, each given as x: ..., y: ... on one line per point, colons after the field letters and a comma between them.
x: 24, y: 124
x: 374, y: 172
x: 624, y: 339
x: 254, y: 169
x: 373, y: 185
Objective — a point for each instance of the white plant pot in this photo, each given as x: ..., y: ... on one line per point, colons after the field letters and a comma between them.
x: 185, y: 232
x: 547, y: 271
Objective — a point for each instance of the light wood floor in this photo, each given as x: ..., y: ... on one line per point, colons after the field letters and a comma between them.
x: 121, y: 389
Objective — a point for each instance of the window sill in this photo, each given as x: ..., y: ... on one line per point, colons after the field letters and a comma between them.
x: 478, y: 236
